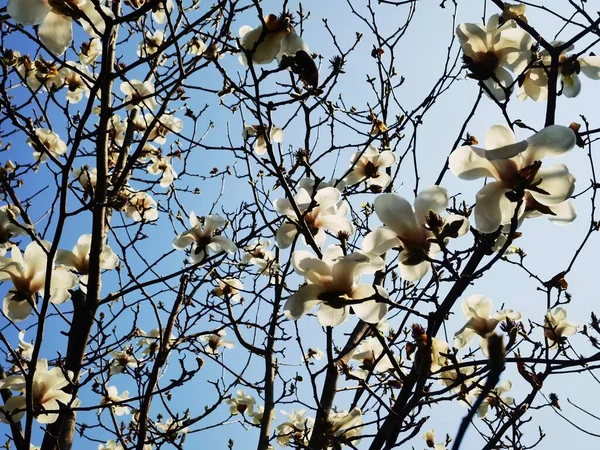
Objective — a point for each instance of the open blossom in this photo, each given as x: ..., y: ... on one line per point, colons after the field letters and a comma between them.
x: 151, y: 43
x: 76, y: 84
x: 139, y: 94
x: 206, y: 236
x: 49, y: 144
x: 333, y: 284
x: 151, y: 340
x: 230, y: 288
x: 9, y: 228
x: 160, y: 11
x: 257, y: 414
x: 240, y: 403
x: 347, y: 424
x: 260, y: 144
x: 79, y: 258
x: 55, y: 19
x: 122, y: 359
x: 214, y: 341
x: 257, y: 253
x: 517, y: 169
x: 25, y: 349
x: 313, y: 353
x: 161, y: 165
x: 556, y: 327
x: 371, y: 358
x: 326, y: 211
x: 478, y: 308
x: 369, y: 166
x: 47, y: 394
x: 491, y: 51
x: 28, y: 274
x: 496, y: 399
x: 535, y: 80
x: 196, y: 46
x: 272, y: 41
x: 166, y: 124
x: 297, y: 429
x: 412, y: 230
x: 140, y: 206
x: 90, y: 51
x: 172, y: 428
x: 112, y: 396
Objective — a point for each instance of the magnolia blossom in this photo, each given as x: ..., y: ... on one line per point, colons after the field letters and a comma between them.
x: 429, y: 437
x: 138, y: 94
x: 151, y: 340
x: 272, y: 41
x: 160, y: 10
x: 455, y: 378
x: 9, y: 227
x: 333, y: 283
x: 371, y: 357
x: 477, y: 308
x: 116, y: 130
x: 76, y: 84
x: 214, y: 341
x: 166, y: 124
x: 495, y: 399
x: 517, y: 169
x: 162, y: 165
x: 257, y: 253
x: 326, y: 211
x: 90, y: 51
x: 439, y: 351
x: 55, y: 19
x: 240, y: 403
x: 535, y: 80
x: 412, y: 230
x: 297, y: 429
x: 25, y: 349
x: 151, y: 43
x: 140, y: 206
x: 347, y: 424
x: 556, y: 327
x: 172, y: 428
x: 206, y: 236
x: 313, y: 353
x: 46, y: 394
x: 110, y: 445
x: 28, y: 274
x: 260, y: 144
x: 196, y: 46
x: 369, y: 166
x: 49, y: 144
x: 229, y: 288
x: 256, y: 415
x: 87, y: 178
x: 79, y: 258
x: 122, y: 359
x: 490, y: 51
x: 112, y: 396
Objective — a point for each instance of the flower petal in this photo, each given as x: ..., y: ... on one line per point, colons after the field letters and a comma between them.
x: 557, y: 181
x: 433, y: 198
x: 493, y: 209
x: 331, y: 317
x: 56, y: 32
x: 396, y: 213
x: 552, y: 141
x: 302, y: 301
x: 28, y: 12
x: 590, y: 66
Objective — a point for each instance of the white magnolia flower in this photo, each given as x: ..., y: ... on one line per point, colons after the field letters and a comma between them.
x: 172, y: 428
x: 371, y: 358
x: 276, y: 39
x: 556, y: 327
x: 240, y: 403
x: 516, y: 167
x: 325, y: 211
x: 535, y: 80
x: 229, y: 288
x: 347, y: 424
x: 151, y: 43
x: 206, y: 236
x: 313, y: 353
x: 139, y: 94
x: 9, y: 227
x: 140, y: 206
x: 110, y: 445
x: 411, y: 230
x: 116, y: 130
x: 151, y: 340
x: 166, y: 124
x: 333, y: 283
x: 214, y: 341
x: 76, y: 84
x: 491, y: 51
x: 455, y: 378
x: 51, y: 144
x: 296, y: 430
x: 79, y: 258
x: 161, y: 165
x: 113, y: 398
x: 55, y: 19
x: 196, y: 46
x: 258, y: 254
x: 87, y: 178
x: 25, y: 349
x: 429, y: 437
x: 369, y: 166
x: 28, y: 275
x: 46, y: 394
x: 161, y: 9
x: 256, y: 415
x: 495, y: 399
x: 478, y: 308
x: 122, y: 359
x: 260, y: 144
x: 439, y: 350
x: 90, y: 51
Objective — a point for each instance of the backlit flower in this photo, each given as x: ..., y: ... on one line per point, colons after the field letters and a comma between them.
x: 229, y: 288
x: 138, y: 94
x: 369, y: 166
x: 556, y: 327
x: 161, y: 165
x: 206, y: 236
x: 9, y: 227
x: 151, y: 43
x: 297, y: 429
x: 240, y: 403
x: 214, y: 341
x: 260, y: 144
x: 371, y: 358
x: 49, y: 144
x: 113, y: 399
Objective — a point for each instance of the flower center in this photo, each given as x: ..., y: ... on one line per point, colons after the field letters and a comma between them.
x: 482, y: 66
